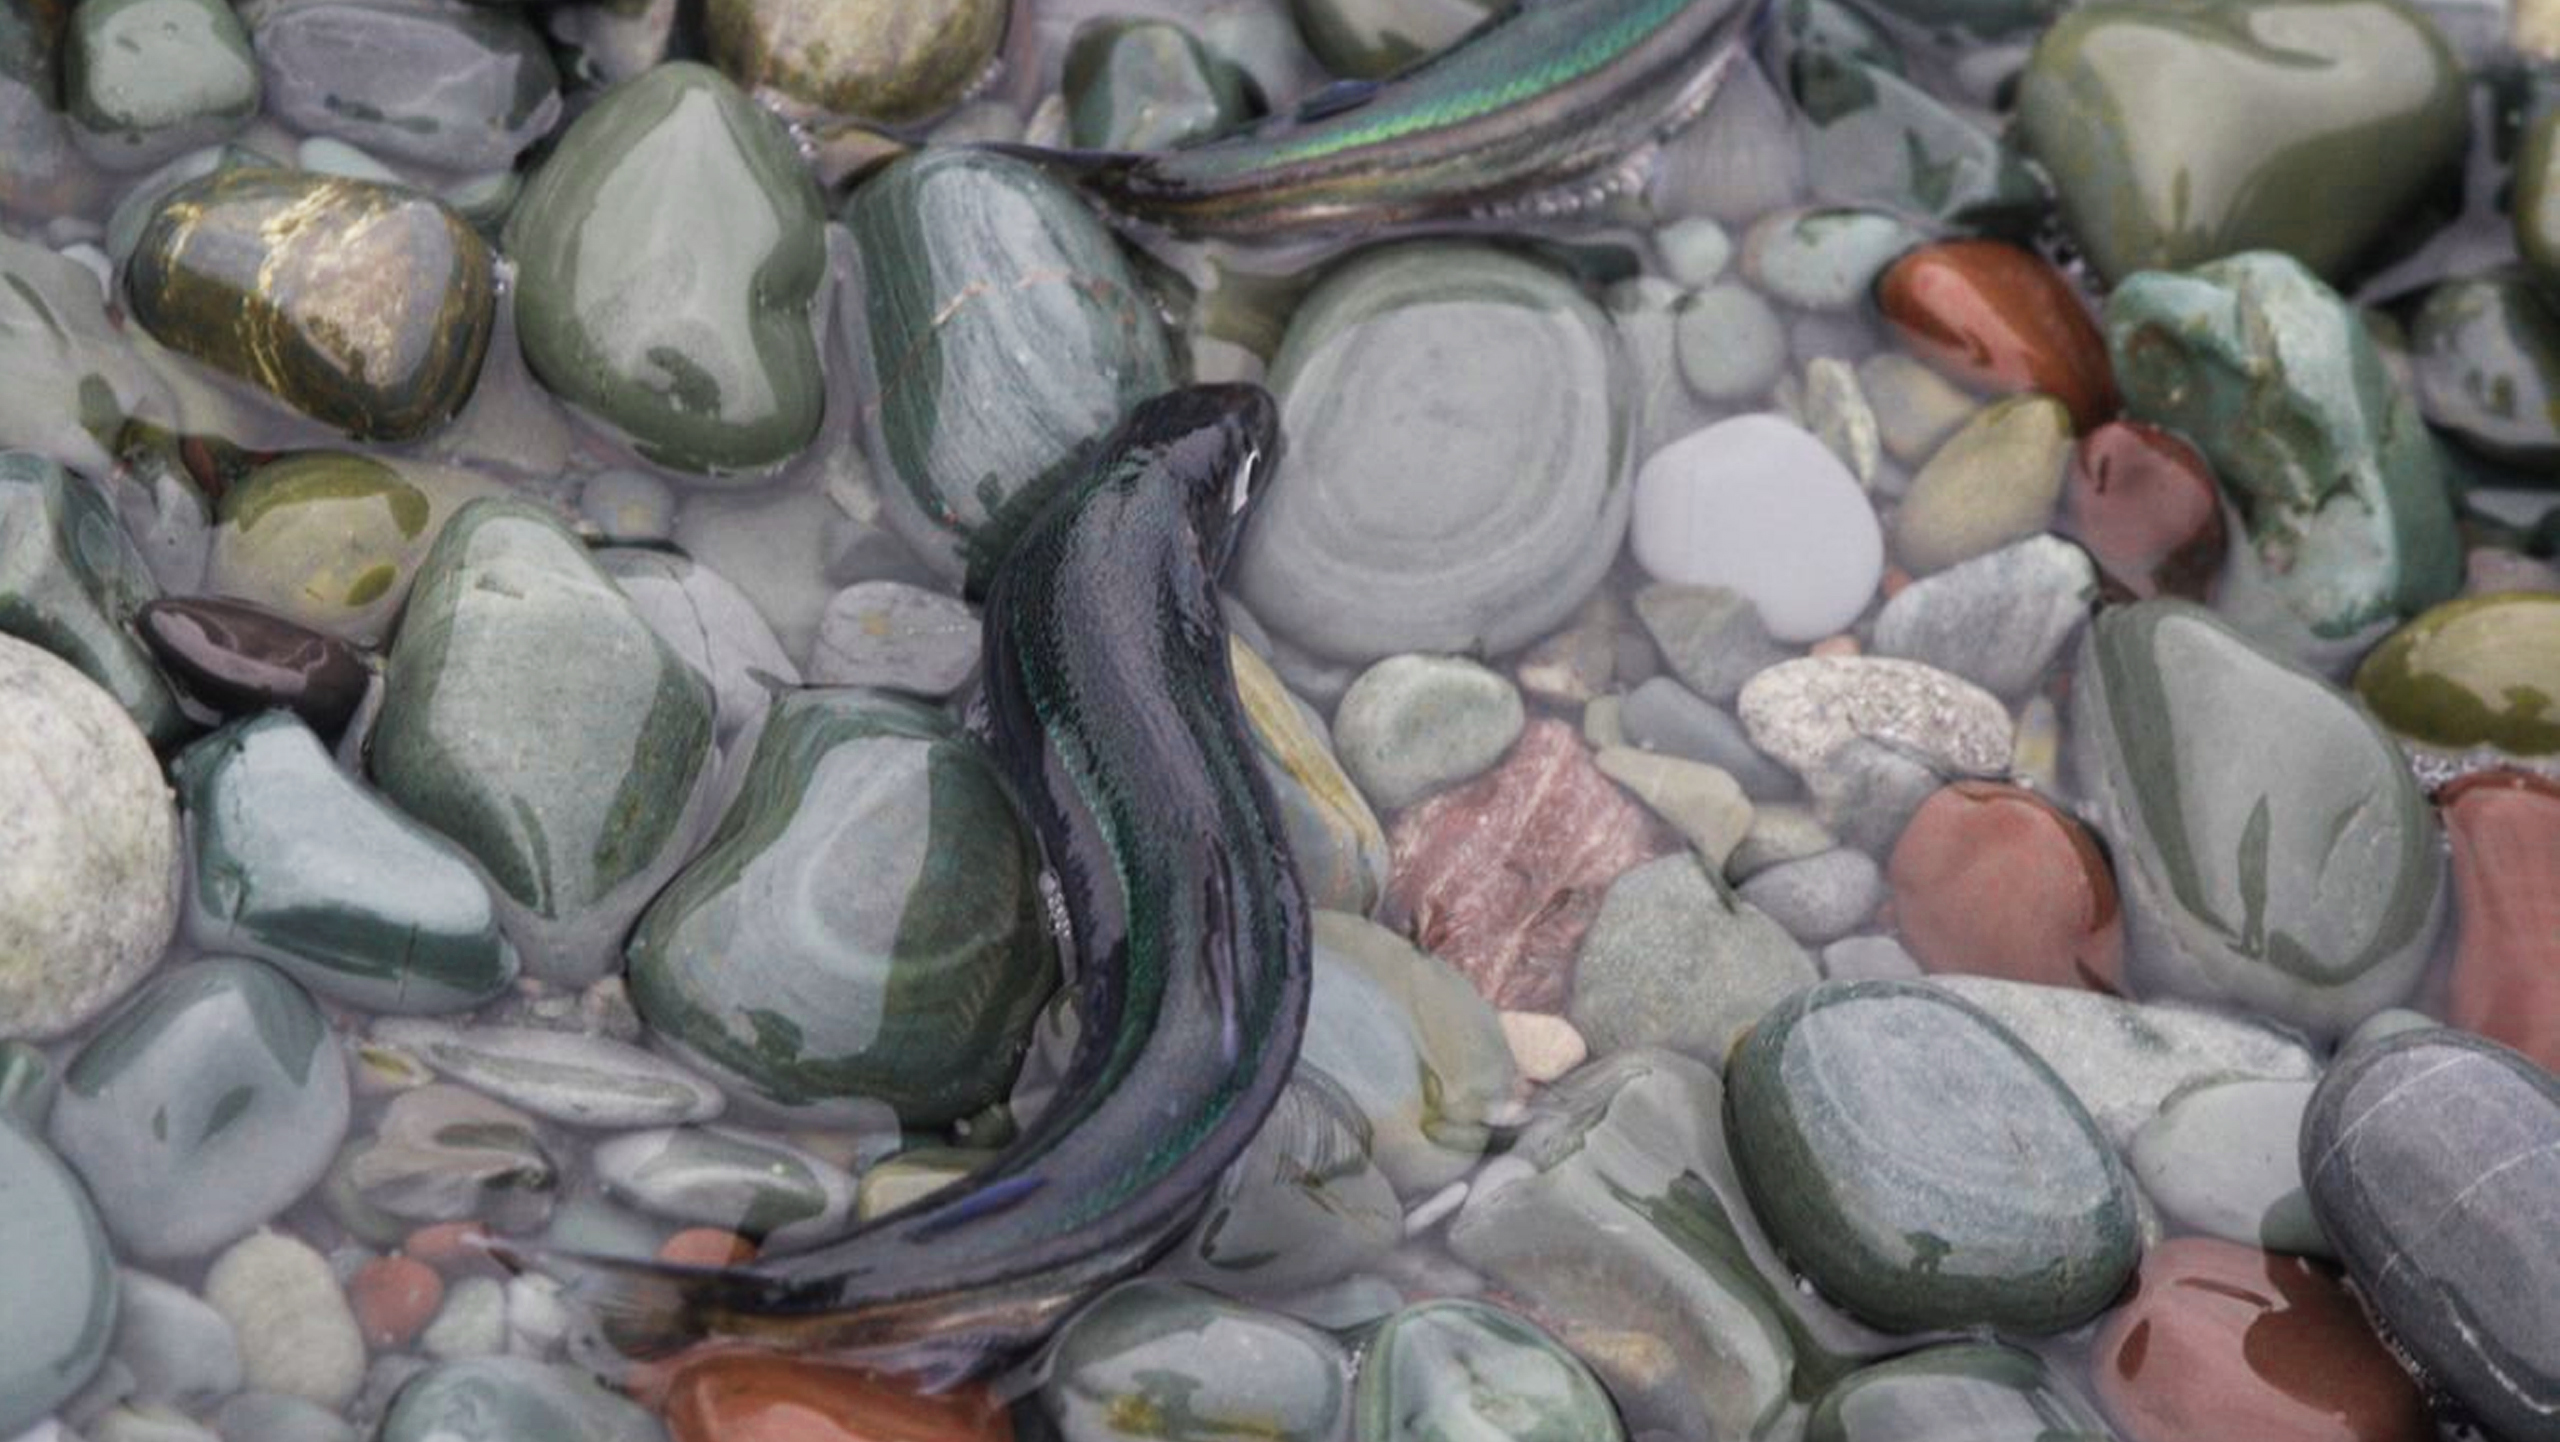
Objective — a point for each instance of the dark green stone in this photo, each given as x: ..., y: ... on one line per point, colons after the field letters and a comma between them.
x: 2480, y: 671
x: 144, y: 80
x: 1971, y: 1392
x: 530, y: 714
x: 1922, y: 1167
x: 1461, y: 1371
x: 364, y: 306
x: 1158, y: 1362
x: 1372, y: 39
x: 60, y: 1280
x: 461, y: 87
x: 667, y: 257
x: 1147, y: 85
x: 1001, y: 330
x: 2272, y: 850
x: 333, y: 539
x: 2178, y: 131
x: 866, y: 924
x: 2486, y: 351
x: 27, y: 1083
x: 2275, y: 378
x: 298, y: 863
x: 71, y: 581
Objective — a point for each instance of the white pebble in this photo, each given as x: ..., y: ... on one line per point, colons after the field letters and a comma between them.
x: 1544, y: 1047
x: 1757, y: 504
x: 297, y: 1336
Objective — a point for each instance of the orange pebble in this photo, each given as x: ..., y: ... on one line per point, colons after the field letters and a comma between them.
x: 393, y: 1298
x: 452, y: 1247
x: 760, y: 1397
x: 707, y: 1247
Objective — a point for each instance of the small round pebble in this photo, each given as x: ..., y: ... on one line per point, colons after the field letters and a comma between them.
x: 1757, y: 504
x: 1730, y: 343
x: 297, y: 1335
x: 392, y: 1298
x: 1413, y: 725
x: 894, y: 635
x: 1996, y: 480
x: 1821, y: 898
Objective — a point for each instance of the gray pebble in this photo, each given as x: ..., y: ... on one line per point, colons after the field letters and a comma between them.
x: 1997, y: 620
x: 1711, y: 637
x: 179, y: 1351
x: 1916, y: 408
x: 144, y: 1422
x: 1820, y: 898
x: 902, y: 637
x: 628, y: 506
x: 1868, y: 958
x: 1730, y: 343
x: 1413, y: 725
x: 1676, y: 959
x: 1663, y: 715
x: 586, y: 1080
x: 1779, y: 834
x: 273, y: 1417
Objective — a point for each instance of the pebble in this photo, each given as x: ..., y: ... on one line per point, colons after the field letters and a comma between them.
x: 1990, y: 879
x: 1675, y: 959
x: 1803, y: 713
x: 1577, y: 664
x: 243, y: 270
x: 2221, y: 1158
x: 2221, y: 1339
x: 28, y: 1081
x: 207, y: 1105
x: 2505, y: 827
x: 1995, y: 481
x: 89, y: 898
x: 439, y: 1153
x: 896, y: 636
x: 1916, y: 409
x: 776, y: 545
x: 1695, y: 250
x: 332, y: 539
x: 1998, y: 620
x: 297, y: 1336
x: 2000, y: 318
x: 471, y: 1323
x: 1373, y: 39
x: 147, y: 1423
x: 1662, y: 715
x: 1545, y: 1047
x: 1461, y: 1371
x: 70, y: 580
x: 238, y: 658
x: 1002, y: 330
x: 1836, y: 410
x: 270, y: 1417
x: 2433, y: 1162
x: 1414, y: 725
x: 2481, y: 671
x: 2177, y: 136
x: 393, y: 1298
x: 291, y: 858
x: 1307, y: 1204
x: 1871, y: 135
x: 144, y: 80
x: 589, y: 1081
x: 509, y: 1399
x: 2292, y: 868
x: 1756, y: 504
x: 2484, y: 351
x: 60, y: 1278
x: 1730, y: 343
x: 1138, y: 84
x: 704, y: 618
x: 1868, y: 958
x: 898, y: 61
x: 1958, y: 1392
x: 754, y: 1185
x: 461, y: 90
x: 1712, y: 637
x: 1818, y: 899
x: 1823, y: 259
x: 2125, y: 1059
x: 1334, y: 838
x: 2144, y: 503
x: 1922, y: 1166
x: 1149, y: 1357
x: 2274, y: 377
x: 875, y: 859
x: 1458, y: 429
x: 1501, y: 876
x: 1702, y: 803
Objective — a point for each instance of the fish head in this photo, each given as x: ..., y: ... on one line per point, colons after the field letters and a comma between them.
x: 1223, y: 443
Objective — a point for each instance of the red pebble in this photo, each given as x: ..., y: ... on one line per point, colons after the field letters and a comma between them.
x: 393, y: 1298
x: 2225, y: 1341
x: 452, y: 1247
x: 761, y: 1397
x: 1500, y: 877
x: 2144, y: 503
x: 1993, y: 880
x: 706, y: 1247
x: 2000, y: 319
x: 2505, y: 827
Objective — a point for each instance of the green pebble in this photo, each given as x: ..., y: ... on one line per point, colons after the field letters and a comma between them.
x: 60, y: 1280
x: 1158, y: 1362
x: 2479, y: 671
x: 2486, y: 353
x: 1372, y: 39
x: 1147, y: 85
x: 333, y: 539
x: 1461, y: 1371
x: 1963, y: 1392
x: 897, y: 61
x: 144, y: 80
x: 71, y: 581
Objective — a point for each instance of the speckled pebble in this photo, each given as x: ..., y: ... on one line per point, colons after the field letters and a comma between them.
x: 1804, y: 712
x: 891, y: 634
x: 1820, y: 898
x: 1701, y: 802
x: 297, y: 1336
x: 1997, y: 620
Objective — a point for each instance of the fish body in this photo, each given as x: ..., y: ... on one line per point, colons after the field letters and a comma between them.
x: 1559, y: 97
x: 1112, y: 706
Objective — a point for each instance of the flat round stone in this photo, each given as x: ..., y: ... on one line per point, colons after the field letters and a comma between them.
x: 1758, y: 505
x: 1964, y: 1392
x: 1922, y: 1167
x: 60, y: 1280
x: 1462, y: 1371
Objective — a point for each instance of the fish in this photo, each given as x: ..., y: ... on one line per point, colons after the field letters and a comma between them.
x: 1111, y: 706
x: 1542, y: 111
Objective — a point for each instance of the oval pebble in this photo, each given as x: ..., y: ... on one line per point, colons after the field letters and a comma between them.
x: 1757, y: 504
x: 585, y: 1080
x: 297, y: 1335
x: 1412, y: 725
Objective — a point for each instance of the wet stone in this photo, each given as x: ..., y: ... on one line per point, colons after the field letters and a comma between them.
x: 1998, y: 620
x: 296, y: 1335
x: 440, y: 1153
x: 1922, y: 1166
x: 511, y: 631
x: 2221, y: 1158
x: 2144, y: 504
x: 675, y: 185
x: 2293, y: 867
x: 180, y: 1352
x: 332, y: 540
x: 2222, y: 1338
x: 2000, y: 318
x: 1819, y: 898
x: 1305, y: 1205
x: 1804, y: 713
x: 2276, y: 379
x: 887, y: 60
x: 2433, y: 1162
x: 1700, y: 802
x: 1662, y: 715
x: 463, y: 88
x: 915, y: 912
x: 1154, y: 1359
x: 1413, y: 725
x: 363, y: 306
x: 294, y: 862
x: 89, y: 899
x: 1916, y: 409
x: 210, y: 1103
x: 588, y: 1081
x: 972, y: 265
x: 2505, y: 984
x: 1730, y: 343
x: 1964, y: 1392
x: 2179, y: 133
x: 739, y: 1396
x: 1877, y: 138
x: 1148, y: 85
x: 236, y: 657
x: 143, y: 80
x: 1994, y: 482
x: 1711, y: 637
x: 1458, y: 442
x: 1334, y: 838
x: 711, y: 624
x: 2482, y: 671
x: 1823, y: 259
x: 1676, y: 959
x: 70, y: 376
x: 756, y: 1186
x: 1461, y: 1371
x: 499, y: 1399
x: 1759, y: 506
x: 1990, y: 879
x: 1376, y: 38
x: 2486, y: 353
x: 60, y: 1279
x: 71, y: 581
x: 1501, y: 876
x: 896, y: 636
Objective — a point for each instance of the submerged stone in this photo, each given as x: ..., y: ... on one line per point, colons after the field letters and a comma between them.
x: 465, y: 88
x: 71, y: 581
x: 1462, y: 1371
x: 2480, y: 671
x: 144, y: 80
x: 882, y: 60
x: 60, y: 1279
x: 2485, y: 351
x: 1963, y: 1392
x: 332, y: 539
